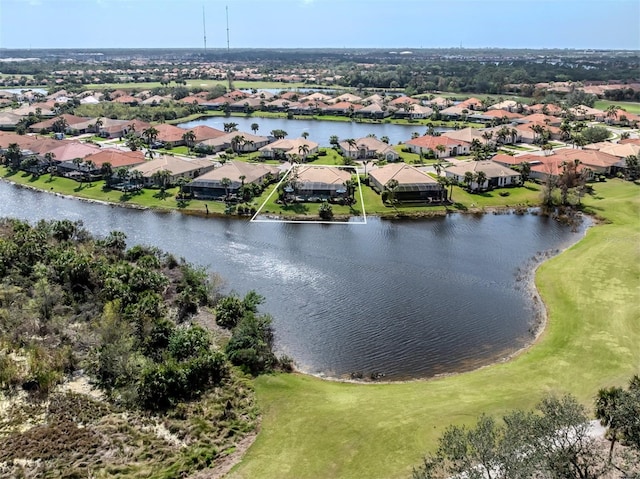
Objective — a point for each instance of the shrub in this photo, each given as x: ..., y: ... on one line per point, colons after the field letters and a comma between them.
x: 229, y: 311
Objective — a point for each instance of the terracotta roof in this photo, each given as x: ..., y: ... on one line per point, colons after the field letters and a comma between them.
x: 508, y: 160
x: 234, y: 170
x: 587, y: 157
x: 404, y: 174
x: 320, y: 174
x: 541, y: 118
x: 490, y: 168
x: 70, y: 150
x: 168, y: 132
x: 431, y: 142
x: 502, y: 114
x: 622, y: 150
x: 204, y: 132
x: 173, y: 164
x: 125, y: 99
x: 404, y: 99
x: 116, y: 158
x: 632, y: 141
x: 70, y: 119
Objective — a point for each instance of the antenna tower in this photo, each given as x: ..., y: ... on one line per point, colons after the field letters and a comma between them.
x: 204, y: 30
x: 229, y: 74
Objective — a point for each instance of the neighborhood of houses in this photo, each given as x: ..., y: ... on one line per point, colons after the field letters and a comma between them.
x: 216, y: 166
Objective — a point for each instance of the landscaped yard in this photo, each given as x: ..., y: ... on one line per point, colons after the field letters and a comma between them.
x: 315, y: 429
x: 627, y: 106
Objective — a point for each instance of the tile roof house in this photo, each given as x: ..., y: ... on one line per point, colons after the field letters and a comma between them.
x: 70, y: 150
x: 116, y: 158
x: 170, y: 134
x: 248, y: 142
x: 498, y: 176
x: 429, y: 144
x: 287, y: 148
x: 47, y: 125
x: 375, y: 110
x: 204, y: 132
x: 413, y: 184
x: 8, y: 120
x: 598, y: 161
x: 209, y: 185
x: 319, y: 182
x: 368, y: 148
x: 178, y: 168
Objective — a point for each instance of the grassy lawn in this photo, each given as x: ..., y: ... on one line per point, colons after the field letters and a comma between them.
x: 316, y: 429
x: 146, y: 198
x: 631, y: 107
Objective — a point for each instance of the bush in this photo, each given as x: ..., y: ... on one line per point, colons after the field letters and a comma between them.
x: 251, y: 345
x: 504, y: 193
x: 229, y: 311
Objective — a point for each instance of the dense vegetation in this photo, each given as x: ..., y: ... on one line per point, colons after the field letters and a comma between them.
x: 136, y: 322
x: 423, y: 70
x: 552, y: 442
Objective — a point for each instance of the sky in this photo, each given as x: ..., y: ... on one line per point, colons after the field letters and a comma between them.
x: 392, y: 24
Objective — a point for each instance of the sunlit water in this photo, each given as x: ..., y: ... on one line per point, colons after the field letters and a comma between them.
x: 402, y: 298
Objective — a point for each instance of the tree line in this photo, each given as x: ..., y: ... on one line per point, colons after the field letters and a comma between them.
x: 552, y: 442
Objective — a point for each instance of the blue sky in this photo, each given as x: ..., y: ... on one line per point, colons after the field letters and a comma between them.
x: 600, y: 24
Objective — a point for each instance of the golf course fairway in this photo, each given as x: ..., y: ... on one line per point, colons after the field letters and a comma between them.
x: 312, y: 428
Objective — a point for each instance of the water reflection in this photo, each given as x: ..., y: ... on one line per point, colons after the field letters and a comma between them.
x: 405, y: 298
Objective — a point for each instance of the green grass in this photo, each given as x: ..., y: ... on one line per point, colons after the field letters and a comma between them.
x: 631, y: 107
x: 205, y: 84
x: 316, y: 429
x: 147, y: 198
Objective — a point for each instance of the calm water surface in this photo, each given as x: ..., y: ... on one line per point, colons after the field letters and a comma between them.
x: 319, y: 131
x: 403, y: 298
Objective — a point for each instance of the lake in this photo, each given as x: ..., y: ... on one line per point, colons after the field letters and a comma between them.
x: 319, y: 131
x: 403, y: 298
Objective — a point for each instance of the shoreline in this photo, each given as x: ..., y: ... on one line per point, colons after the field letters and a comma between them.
x: 392, y: 215
x: 540, y: 318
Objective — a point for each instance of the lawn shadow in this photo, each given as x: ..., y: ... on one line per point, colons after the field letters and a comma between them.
x: 299, y: 208
x: 460, y: 206
x: 161, y: 195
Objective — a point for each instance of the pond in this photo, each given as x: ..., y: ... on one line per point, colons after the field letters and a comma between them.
x: 403, y: 298
x: 319, y: 131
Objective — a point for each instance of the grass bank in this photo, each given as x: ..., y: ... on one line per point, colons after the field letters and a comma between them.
x: 628, y: 106
x: 318, y: 429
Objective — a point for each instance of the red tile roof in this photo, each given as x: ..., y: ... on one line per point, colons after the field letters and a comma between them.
x: 433, y: 141
x: 116, y: 158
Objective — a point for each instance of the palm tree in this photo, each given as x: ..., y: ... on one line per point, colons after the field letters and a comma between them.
x: 441, y: 149
x: 242, y: 178
x: 305, y: 134
x: 135, y: 177
x: 352, y: 144
x: 149, y: 154
x: 468, y: 178
x: 391, y: 186
x: 189, y: 138
x: 487, y: 135
x: 384, y: 139
x: 237, y: 142
x: 480, y: 178
x: 612, y: 111
x: 60, y: 125
x: 150, y: 134
x: 97, y: 125
x: 304, y: 151
x: 122, y: 174
x: 161, y: 178
x: 607, y: 410
x: 254, y: 128
x: 547, y: 148
x: 334, y: 141
x: 181, y: 182
x: 278, y: 134
x: 525, y: 171
x: 225, y: 183
x: 229, y: 127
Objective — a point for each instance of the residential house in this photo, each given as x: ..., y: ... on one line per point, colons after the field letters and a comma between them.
x: 47, y: 125
x: 440, y: 146
x: 209, y: 185
x: 413, y: 184
x: 239, y: 141
x: 177, y: 167
x: 9, y: 121
x: 368, y: 148
x: 375, y: 110
x: 497, y: 176
x: 287, y: 149
x: 318, y: 182
x: 170, y: 135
